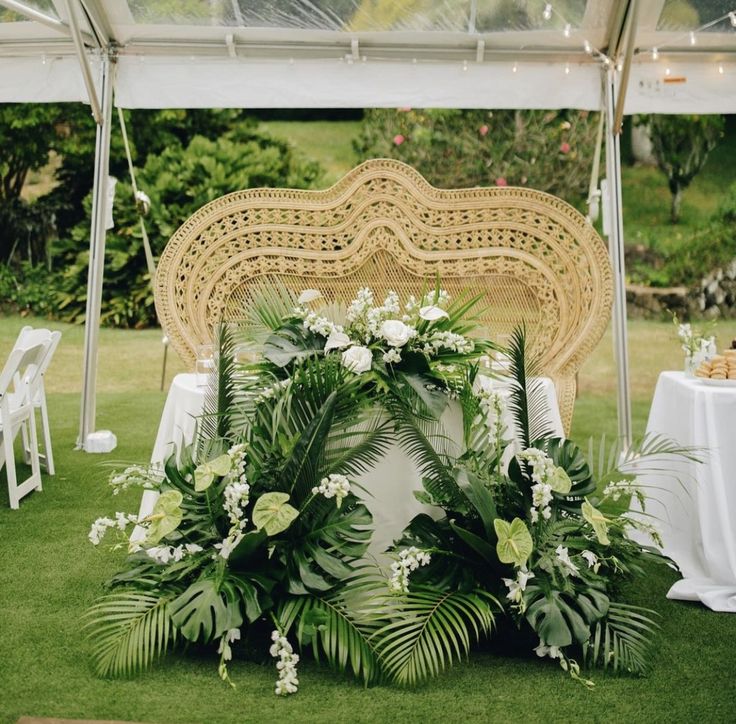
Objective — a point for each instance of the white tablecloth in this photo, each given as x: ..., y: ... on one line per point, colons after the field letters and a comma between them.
x: 695, y: 507
x: 391, y: 483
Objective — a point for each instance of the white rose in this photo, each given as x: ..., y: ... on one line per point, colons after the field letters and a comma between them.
x: 357, y: 359
x: 337, y: 340
x: 432, y: 313
x: 309, y: 295
x: 396, y: 333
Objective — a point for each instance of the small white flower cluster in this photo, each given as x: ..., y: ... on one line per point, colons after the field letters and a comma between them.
x: 360, y: 305
x: 554, y: 652
x: 517, y: 586
x: 393, y: 356
x: 268, y: 392
x: 288, y: 682
x: 102, y: 525
x: 436, y: 299
x: 647, y: 528
x: 564, y: 557
x: 616, y: 489
x: 135, y: 476
x: 448, y: 340
x: 696, y: 345
x: 333, y: 486
x: 164, y: 554
x: 226, y: 652
x: 236, y: 496
x: 409, y: 560
x: 542, y: 469
x: 591, y: 559
x: 320, y: 325
x: 492, y: 406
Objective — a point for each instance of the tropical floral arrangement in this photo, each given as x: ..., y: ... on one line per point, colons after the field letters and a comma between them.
x: 259, y: 535
x: 698, y: 345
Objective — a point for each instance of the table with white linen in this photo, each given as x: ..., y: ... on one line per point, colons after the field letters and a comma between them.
x: 390, y: 484
x: 694, y: 504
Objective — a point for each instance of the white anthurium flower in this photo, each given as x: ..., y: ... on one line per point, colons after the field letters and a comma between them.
x: 396, y: 333
x: 432, y: 313
x: 337, y: 340
x: 592, y: 560
x: 357, y: 359
x: 564, y: 557
x: 309, y: 295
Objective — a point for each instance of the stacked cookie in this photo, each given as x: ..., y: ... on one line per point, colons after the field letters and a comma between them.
x: 719, y: 367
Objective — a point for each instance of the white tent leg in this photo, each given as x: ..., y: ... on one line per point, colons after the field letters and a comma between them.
x: 96, y: 257
x: 616, y: 250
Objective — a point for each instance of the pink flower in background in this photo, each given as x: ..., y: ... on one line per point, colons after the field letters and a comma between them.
x: 404, y: 109
x: 483, y: 130
x: 501, y: 181
x: 565, y: 147
x: 399, y: 139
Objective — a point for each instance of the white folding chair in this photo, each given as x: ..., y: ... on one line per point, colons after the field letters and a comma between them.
x: 28, y: 335
x: 17, y: 380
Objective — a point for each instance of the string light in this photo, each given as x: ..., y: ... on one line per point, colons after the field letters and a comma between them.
x: 692, y: 38
x: 567, y: 69
x: 547, y: 13
x: 732, y: 18
x: 667, y: 71
x: 720, y: 69
x: 465, y: 65
x: 588, y: 47
x: 567, y: 30
x: 655, y: 53
x: 515, y: 67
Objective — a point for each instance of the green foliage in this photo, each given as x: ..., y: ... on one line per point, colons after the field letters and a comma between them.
x: 681, y: 145
x: 179, y: 180
x: 129, y: 631
x: 27, y: 289
x: 623, y: 640
x: 547, y: 150
x: 430, y: 630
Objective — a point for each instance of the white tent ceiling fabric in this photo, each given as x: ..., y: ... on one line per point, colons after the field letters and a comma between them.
x: 350, y: 53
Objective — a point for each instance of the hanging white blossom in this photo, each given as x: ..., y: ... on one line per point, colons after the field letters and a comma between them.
x: 409, y: 560
x: 281, y: 649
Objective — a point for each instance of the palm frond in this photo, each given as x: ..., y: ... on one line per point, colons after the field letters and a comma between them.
x: 432, y: 629
x: 269, y: 303
x: 528, y: 403
x: 129, y: 630
x: 330, y: 626
x: 623, y: 641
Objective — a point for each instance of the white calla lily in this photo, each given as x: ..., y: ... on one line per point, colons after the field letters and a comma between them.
x: 432, y: 313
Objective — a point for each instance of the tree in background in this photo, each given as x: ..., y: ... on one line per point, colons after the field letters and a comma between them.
x: 179, y: 180
x: 548, y: 150
x: 681, y: 145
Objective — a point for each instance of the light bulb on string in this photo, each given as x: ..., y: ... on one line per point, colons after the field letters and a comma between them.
x: 547, y: 13
x: 692, y: 38
x: 567, y: 69
x: 514, y: 67
x: 655, y: 54
x: 567, y: 30
x: 588, y: 47
x: 465, y: 65
x: 720, y: 70
x: 667, y: 71
x: 619, y: 66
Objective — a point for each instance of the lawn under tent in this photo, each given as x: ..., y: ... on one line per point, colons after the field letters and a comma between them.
x: 362, y: 411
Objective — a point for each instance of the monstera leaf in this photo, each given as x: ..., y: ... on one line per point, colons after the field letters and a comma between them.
x: 567, y: 455
x: 562, y: 619
x: 514, y: 541
x: 597, y: 520
x: 205, y: 610
x: 273, y: 513
x: 165, y: 517
x: 205, y: 473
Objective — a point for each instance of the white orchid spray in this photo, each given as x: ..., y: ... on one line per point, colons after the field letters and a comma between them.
x: 409, y: 560
x: 333, y: 486
x: 281, y: 649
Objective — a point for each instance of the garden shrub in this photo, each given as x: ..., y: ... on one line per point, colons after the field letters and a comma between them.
x: 178, y: 181
x: 27, y: 289
x: 709, y: 249
x: 547, y: 150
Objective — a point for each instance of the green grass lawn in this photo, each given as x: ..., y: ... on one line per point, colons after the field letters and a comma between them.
x: 49, y: 574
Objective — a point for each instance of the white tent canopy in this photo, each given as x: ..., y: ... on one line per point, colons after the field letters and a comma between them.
x: 618, y: 56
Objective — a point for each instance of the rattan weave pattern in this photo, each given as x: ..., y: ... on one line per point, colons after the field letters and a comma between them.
x: 534, y: 257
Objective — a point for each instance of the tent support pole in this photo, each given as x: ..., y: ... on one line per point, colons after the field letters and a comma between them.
x: 616, y: 251
x: 96, y: 255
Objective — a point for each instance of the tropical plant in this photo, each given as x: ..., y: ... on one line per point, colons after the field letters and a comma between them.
x: 258, y: 525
